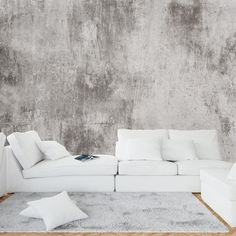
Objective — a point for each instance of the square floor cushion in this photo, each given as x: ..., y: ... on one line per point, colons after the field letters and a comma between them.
x: 57, y: 210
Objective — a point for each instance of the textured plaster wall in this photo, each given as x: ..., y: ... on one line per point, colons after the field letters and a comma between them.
x: 76, y: 71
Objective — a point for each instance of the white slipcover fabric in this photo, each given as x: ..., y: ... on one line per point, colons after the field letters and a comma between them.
x: 52, y: 150
x: 232, y: 173
x: 142, y: 149
x: 124, y: 134
x: 68, y: 166
x: 80, y: 183
x: 57, y: 210
x: 25, y: 148
x: 157, y: 183
x: 193, y: 167
x: 30, y: 212
x: 2, y: 165
x: 147, y: 168
x: 178, y: 150
x: 219, y: 193
x: 217, y: 179
x: 221, y: 205
x: 206, y: 142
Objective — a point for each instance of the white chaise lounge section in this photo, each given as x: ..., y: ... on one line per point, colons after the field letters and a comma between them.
x: 52, y: 176
x: 219, y: 193
x: 2, y: 165
x: 28, y: 171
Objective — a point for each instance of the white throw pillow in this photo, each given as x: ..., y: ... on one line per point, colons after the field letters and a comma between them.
x: 30, y: 212
x: 57, y: 210
x: 232, y: 172
x: 52, y: 150
x: 124, y: 134
x: 206, y: 142
x: 178, y: 150
x: 142, y: 149
x: 25, y: 148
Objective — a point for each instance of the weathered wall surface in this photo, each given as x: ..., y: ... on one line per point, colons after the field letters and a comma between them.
x: 75, y: 71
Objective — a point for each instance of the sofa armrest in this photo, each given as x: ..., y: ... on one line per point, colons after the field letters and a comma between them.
x: 13, y: 170
x: 2, y: 165
x: 3, y: 188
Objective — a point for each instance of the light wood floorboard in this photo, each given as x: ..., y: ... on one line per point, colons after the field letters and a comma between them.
x: 232, y: 231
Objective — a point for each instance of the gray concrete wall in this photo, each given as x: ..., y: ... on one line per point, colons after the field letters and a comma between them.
x: 77, y: 70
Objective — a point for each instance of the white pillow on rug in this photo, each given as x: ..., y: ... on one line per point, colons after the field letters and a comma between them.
x: 52, y: 150
x: 57, y: 210
x: 32, y: 212
x: 232, y: 173
x: 143, y: 149
x: 178, y: 150
x: 25, y: 148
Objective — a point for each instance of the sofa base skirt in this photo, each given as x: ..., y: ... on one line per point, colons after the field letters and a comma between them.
x: 157, y: 183
x: 67, y: 183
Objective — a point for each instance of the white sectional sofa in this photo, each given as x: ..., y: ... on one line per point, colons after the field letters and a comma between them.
x: 115, y: 173
x: 2, y: 165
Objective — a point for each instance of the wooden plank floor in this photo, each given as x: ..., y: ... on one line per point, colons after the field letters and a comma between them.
x: 232, y: 231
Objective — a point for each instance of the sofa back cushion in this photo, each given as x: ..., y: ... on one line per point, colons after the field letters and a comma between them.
x: 52, y: 150
x: 128, y: 134
x: 178, y: 150
x: 206, y: 142
x: 25, y: 148
x: 124, y: 134
x: 142, y: 149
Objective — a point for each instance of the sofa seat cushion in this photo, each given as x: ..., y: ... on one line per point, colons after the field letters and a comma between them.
x: 217, y: 180
x: 147, y: 168
x: 193, y: 167
x: 68, y: 166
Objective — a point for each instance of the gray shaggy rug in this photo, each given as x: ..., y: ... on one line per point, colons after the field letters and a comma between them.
x: 118, y: 212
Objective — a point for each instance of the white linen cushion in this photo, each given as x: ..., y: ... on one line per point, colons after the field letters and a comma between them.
x: 120, y: 150
x: 30, y: 212
x: 2, y: 165
x: 124, y: 134
x: 232, y: 173
x: 57, y: 210
x: 193, y: 167
x: 142, y: 149
x: 206, y: 142
x: 177, y: 150
x: 217, y: 179
x: 25, y: 148
x: 52, y: 150
x: 68, y: 166
x: 147, y: 168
